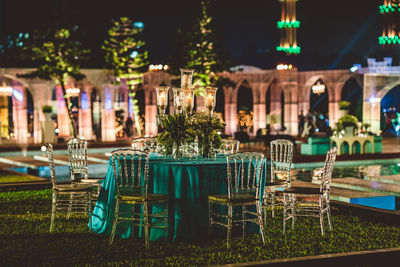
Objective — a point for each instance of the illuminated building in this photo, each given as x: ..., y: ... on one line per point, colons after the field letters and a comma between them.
x: 288, y: 26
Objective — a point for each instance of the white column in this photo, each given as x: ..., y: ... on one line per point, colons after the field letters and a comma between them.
x: 150, y: 120
x: 259, y: 117
x: 230, y: 119
x: 64, y: 124
x: 291, y: 118
x: 20, y: 115
x: 107, y: 118
x: 85, y: 116
x: 334, y: 113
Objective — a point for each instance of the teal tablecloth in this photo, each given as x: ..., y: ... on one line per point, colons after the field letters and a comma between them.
x: 187, y: 183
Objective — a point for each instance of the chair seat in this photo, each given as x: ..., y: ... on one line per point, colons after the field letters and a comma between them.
x: 74, y: 188
x: 92, y: 180
x: 275, y: 183
x: 237, y: 198
x: 136, y: 197
x: 303, y: 190
x: 282, y: 175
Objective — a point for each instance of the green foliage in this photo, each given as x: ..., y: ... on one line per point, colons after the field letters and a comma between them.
x: 58, y: 53
x: 176, y: 131
x: 125, y: 55
x: 47, y: 109
x: 207, y: 128
x: 24, y: 237
x: 124, y: 51
x: 201, y: 50
x: 344, y: 105
x: 347, y: 120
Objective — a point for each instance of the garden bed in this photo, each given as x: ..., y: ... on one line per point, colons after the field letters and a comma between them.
x: 24, y: 238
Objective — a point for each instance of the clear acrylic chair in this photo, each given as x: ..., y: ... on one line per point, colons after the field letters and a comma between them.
x: 306, y: 201
x: 229, y: 147
x: 281, y: 164
x: 145, y: 144
x: 77, y: 154
x: 243, y: 186
x: 72, y: 198
x: 131, y: 174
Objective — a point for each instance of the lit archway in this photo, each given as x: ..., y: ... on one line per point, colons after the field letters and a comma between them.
x: 95, y: 104
x: 353, y: 93
x: 245, y: 107
x: 220, y: 105
x: 390, y: 112
x: 319, y: 105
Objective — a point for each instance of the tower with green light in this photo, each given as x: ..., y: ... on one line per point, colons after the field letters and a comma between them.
x: 288, y: 26
x: 390, y: 11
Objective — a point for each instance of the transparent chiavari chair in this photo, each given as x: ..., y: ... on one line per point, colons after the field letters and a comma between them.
x: 243, y: 186
x: 306, y: 201
x: 131, y: 174
x: 77, y: 154
x: 281, y: 163
x: 72, y: 198
x: 229, y: 147
x: 145, y: 144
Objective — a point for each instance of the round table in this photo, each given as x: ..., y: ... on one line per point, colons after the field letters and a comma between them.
x: 187, y: 184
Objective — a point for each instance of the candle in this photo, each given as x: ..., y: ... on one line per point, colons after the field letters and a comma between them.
x: 189, y: 100
x: 210, y: 101
x: 185, y: 81
x: 163, y: 100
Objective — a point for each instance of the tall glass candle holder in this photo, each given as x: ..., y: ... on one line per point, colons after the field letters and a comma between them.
x: 210, y: 98
x: 178, y: 99
x: 186, y: 78
x: 188, y: 94
x: 162, y: 98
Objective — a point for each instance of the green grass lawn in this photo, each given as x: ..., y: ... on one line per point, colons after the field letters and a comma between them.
x: 7, y: 177
x: 24, y: 238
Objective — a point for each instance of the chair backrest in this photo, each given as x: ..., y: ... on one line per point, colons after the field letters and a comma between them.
x: 328, y: 170
x: 230, y: 146
x: 50, y: 155
x: 131, y: 170
x: 281, y: 159
x: 77, y: 154
x: 244, y: 172
x: 145, y: 144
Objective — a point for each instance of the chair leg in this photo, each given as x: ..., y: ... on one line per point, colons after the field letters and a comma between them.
x: 243, y: 223
x: 90, y: 210
x: 114, y: 227
x: 146, y: 226
x: 209, y: 221
x: 70, y: 205
x: 273, y: 203
x: 260, y: 221
x: 265, y: 201
x: 321, y: 216
x: 284, y: 213
x: 293, y: 203
x: 329, y: 217
x: 229, y: 228
x: 53, y: 210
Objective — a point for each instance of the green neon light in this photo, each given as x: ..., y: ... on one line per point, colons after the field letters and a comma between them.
x: 389, y: 8
x: 388, y: 40
x: 292, y: 24
x: 289, y: 50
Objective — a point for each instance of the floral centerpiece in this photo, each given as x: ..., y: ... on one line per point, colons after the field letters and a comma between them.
x: 179, y: 129
x: 176, y: 132
x: 207, y: 127
x: 347, y: 121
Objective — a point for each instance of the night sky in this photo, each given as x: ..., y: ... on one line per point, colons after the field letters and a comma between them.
x: 328, y: 30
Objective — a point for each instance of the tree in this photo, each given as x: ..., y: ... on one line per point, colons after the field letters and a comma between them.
x: 124, y: 53
x: 203, y: 54
x: 58, y: 54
